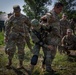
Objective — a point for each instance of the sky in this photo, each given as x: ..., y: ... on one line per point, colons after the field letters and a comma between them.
x: 7, y: 5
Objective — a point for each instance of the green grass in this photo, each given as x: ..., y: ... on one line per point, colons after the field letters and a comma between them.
x: 1, y: 38
x: 60, y: 64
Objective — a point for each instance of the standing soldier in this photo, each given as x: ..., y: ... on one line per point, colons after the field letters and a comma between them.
x: 15, y: 35
x: 51, y: 22
x: 72, y: 25
x: 64, y: 25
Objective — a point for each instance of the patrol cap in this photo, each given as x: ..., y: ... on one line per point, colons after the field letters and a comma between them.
x: 69, y: 30
x: 58, y: 4
x: 34, y: 22
x: 16, y: 7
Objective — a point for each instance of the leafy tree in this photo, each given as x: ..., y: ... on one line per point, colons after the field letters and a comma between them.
x: 1, y: 12
x: 36, y: 8
x: 69, y: 7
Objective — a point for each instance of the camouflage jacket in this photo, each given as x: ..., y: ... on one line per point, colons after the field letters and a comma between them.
x: 51, y: 20
x: 17, y: 25
x: 64, y: 25
x: 38, y: 37
x: 68, y: 41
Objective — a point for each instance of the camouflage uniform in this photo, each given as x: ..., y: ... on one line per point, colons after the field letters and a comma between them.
x: 69, y: 42
x: 16, y: 32
x: 34, y: 32
x: 64, y: 25
x: 38, y: 38
x: 38, y: 35
x: 72, y: 25
x: 50, y: 21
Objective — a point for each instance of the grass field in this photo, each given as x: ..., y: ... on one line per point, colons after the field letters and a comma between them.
x: 61, y: 64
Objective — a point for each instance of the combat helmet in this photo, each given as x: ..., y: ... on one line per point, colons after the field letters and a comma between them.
x: 34, y: 23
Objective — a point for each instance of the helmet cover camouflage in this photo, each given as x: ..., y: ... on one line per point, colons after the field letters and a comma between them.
x: 34, y: 23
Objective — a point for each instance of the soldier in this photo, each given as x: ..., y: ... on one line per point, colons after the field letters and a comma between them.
x: 64, y: 25
x: 38, y: 38
x: 72, y: 25
x: 69, y: 41
x: 16, y: 34
x: 27, y: 38
x: 50, y: 21
x: 8, y: 15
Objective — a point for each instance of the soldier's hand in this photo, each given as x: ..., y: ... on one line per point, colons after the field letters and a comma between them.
x: 51, y: 47
x: 5, y: 39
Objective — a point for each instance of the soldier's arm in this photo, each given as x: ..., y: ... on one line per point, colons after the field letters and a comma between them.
x: 56, y: 32
x: 34, y: 37
x: 60, y: 26
x: 68, y: 24
x: 27, y: 37
x: 8, y: 26
x: 63, y: 41
x: 74, y: 39
x: 44, y: 18
x: 27, y: 22
x: 47, y: 18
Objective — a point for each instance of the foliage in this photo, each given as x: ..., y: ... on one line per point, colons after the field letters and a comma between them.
x: 1, y: 38
x: 69, y: 8
x: 61, y: 65
x: 72, y: 14
x: 1, y: 12
x: 36, y: 8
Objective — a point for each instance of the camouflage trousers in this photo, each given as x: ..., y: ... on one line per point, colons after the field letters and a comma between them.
x: 11, y: 46
x: 36, y: 51
x: 49, y: 55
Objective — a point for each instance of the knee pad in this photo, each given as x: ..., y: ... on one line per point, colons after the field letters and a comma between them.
x: 34, y: 60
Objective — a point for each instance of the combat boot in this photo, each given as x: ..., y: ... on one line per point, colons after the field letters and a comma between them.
x: 9, y: 63
x: 31, y: 69
x: 48, y: 69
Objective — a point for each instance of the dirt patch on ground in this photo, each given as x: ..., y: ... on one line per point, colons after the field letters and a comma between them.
x: 2, y: 47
